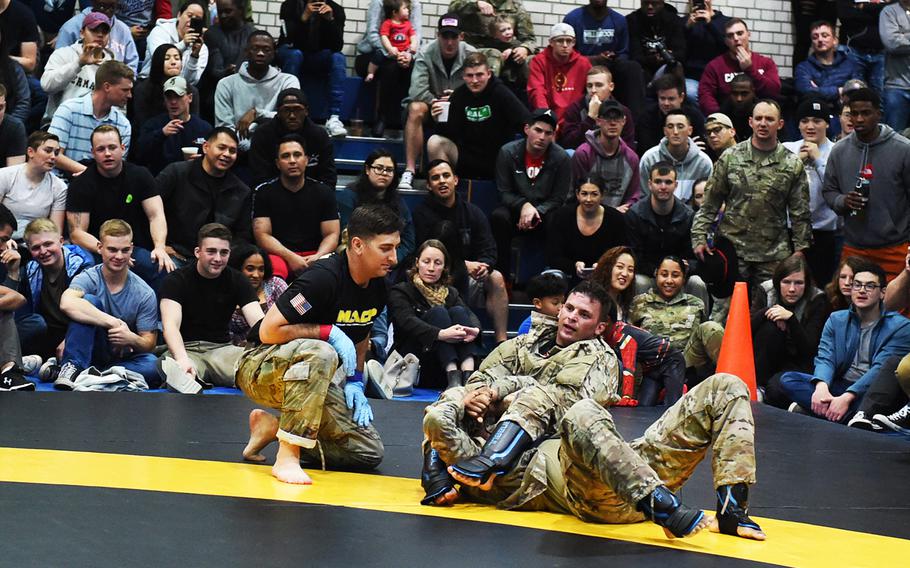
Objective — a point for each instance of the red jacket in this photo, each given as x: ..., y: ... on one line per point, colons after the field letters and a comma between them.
x: 714, y: 85
x: 556, y: 85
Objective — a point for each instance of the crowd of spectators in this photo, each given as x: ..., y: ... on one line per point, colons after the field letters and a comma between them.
x: 162, y: 175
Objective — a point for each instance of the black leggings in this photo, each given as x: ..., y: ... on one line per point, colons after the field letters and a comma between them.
x: 442, y: 317
x: 670, y: 374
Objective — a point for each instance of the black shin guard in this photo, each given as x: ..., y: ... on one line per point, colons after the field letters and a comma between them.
x: 507, y: 443
x: 733, y: 509
x: 434, y: 478
x: 665, y: 509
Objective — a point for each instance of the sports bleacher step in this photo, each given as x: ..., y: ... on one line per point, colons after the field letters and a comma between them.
x: 351, y: 151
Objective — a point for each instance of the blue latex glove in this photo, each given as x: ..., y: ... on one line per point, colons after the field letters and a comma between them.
x: 347, y: 354
x: 356, y: 400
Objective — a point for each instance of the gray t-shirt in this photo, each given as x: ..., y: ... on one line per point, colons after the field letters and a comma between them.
x: 863, y: 359
x: 135, y: 304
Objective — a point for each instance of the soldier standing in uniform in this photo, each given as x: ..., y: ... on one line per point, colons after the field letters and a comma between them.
x: 320, y: 323
x: 763, y: 185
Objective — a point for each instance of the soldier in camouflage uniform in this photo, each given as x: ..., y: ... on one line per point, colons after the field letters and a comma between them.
x: 321, y: 324
x: 591, y: 472
x: 763, y: 185
x: 522, y: 389
x: 682, y: 319
x: 476, y: 24
x: 477, y: 28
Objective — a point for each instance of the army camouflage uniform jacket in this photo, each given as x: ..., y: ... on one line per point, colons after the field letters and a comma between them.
x: 674, y: 319
x: 476, y: 26
x: 759, y: 195
x: 590, y: 366
x: 584, y: 370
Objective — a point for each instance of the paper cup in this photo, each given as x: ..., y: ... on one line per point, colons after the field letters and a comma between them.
x: 189, y: 152
x: 444, y: 115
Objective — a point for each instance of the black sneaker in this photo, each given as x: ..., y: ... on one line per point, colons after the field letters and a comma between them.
x: 12, y: 379
x: 898, y: 421
x: 66, y: 378
x: 860, y: 421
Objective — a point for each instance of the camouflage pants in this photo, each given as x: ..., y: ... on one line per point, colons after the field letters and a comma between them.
x: 214, y: 362
x: 754, y: 273
x: 703, y: 347
x: 537, y: 409
x: 296, y: 377
x: 604, y: 476
x: 449, y: 430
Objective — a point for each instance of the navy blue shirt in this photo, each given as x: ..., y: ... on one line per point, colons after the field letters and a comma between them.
x: 593, y: 36
x: 156, y: 151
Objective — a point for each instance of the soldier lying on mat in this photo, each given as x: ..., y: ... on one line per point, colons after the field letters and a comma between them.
x: 558, y: 380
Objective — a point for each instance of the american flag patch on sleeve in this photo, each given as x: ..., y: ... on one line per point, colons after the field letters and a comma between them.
x: 300, y: 304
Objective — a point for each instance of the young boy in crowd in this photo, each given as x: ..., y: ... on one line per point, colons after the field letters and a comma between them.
x: 547, y: 293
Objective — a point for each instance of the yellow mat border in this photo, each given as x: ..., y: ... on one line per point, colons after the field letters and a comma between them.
x: 789, y: 544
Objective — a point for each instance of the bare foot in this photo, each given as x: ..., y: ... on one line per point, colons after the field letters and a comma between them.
x: 472, y: 481
x: 448, y: 498
x: 287, y: 465
x: 744, y: 532
x: 263, y: 431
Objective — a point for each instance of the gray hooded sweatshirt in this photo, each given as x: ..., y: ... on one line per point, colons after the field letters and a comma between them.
x: 238, y: 93
x: 694, y: 166
x: 885, y: 162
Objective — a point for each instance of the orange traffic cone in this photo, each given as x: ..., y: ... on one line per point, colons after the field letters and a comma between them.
x: 736, y: 355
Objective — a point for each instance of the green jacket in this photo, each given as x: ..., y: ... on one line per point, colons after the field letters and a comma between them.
x: 476, y: 26
x: 759, y: 195
x: 590, y: 366
x: 674, y: 319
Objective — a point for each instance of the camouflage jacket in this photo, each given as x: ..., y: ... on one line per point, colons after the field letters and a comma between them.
x: 591, y: 366
x: 759, y: 195
x: 674, y: 319
x: 476, y: 26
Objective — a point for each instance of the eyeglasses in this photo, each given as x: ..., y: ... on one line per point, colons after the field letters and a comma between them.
x: 867, y: 286
x: 382, y: 170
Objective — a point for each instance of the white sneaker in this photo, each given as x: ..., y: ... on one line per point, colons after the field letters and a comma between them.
x: 335, y: 127
x: 31, y: 363
x: 407, y: 180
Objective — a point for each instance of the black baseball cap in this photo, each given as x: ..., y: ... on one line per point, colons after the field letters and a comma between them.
x: 449, y: 23
x: 610, y: 107
x: 542, y: 115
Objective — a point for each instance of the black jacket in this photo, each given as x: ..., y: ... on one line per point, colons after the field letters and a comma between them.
x: 650, y: 126
x: 463, y: 229
x: 407, y: 307
x: 551, y: 187
x: 188, y: 205
x: 314, y: 35
x: 319, y: 151
x: 650, y: 242
x: 665, y: 26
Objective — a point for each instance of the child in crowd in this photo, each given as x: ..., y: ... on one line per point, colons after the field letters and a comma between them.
x: 502, y: 30
x: 396, y: 34
x: 547, y: 292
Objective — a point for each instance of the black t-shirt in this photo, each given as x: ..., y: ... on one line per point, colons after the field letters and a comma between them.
x: 18, y: 26
x: 296, y: 215
x: 12, y: 139
x: 114, y: 198
x: 325, y: 294
x: 208, y: 303
x: 49, y: 302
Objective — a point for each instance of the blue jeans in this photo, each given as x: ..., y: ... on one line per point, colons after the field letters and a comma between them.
x: 872, y: 66
x: 87, y: 345
x: 692, y: 90
x: 325, y: 62
x: 897, y: 107
x: 146, y: 268
x: 800, y: 388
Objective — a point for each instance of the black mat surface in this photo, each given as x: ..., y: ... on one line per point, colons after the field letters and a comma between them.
x: 808, y: 470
